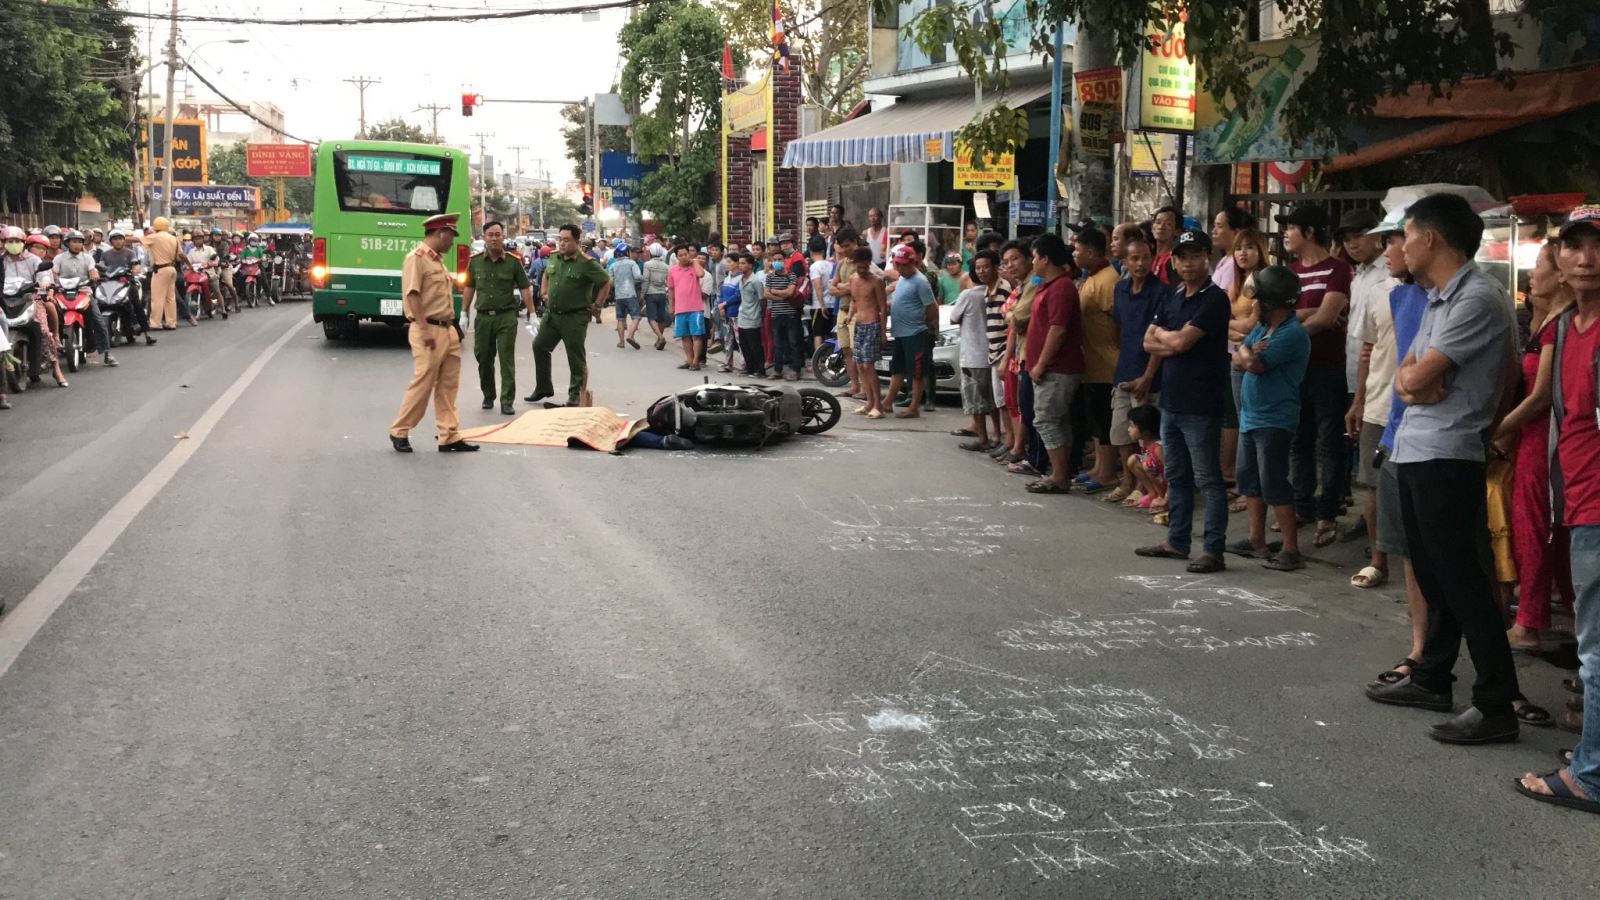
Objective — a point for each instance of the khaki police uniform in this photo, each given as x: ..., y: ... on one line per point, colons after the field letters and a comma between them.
x: 436, y: 372
x: 496, y: 285
x: 164, y: 252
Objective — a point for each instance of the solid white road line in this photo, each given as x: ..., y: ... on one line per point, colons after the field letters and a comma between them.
x: 19, y: 626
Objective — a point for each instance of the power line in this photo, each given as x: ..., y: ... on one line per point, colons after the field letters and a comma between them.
x: 461, y: 16
x: 362, y: 82
x: 241, y: 108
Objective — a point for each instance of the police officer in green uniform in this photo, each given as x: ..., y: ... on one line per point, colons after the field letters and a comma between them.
x: 493, y: 278
x: 569, y: 283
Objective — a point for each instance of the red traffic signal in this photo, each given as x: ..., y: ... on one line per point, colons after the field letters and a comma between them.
x: 468, y: 101
x: 587, y: 206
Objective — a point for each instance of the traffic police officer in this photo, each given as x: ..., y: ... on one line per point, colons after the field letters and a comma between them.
x: 492, y: 278
x: 570, y: 280
x: 435, y: 342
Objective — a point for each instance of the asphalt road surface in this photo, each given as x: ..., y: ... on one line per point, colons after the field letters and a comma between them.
x: 253, y: 652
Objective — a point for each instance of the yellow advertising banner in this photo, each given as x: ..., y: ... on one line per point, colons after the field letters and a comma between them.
x: 1166, y: 82
x: 745, y: 109
x: 999, y: 172
x: 933, y: 150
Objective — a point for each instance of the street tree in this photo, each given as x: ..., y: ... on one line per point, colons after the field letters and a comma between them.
x: 226, y: 165
x: 669, y: 75
x: 827, y: 41
x: 1368, y: 48
x: 398, y: 129
x: 66, y: 117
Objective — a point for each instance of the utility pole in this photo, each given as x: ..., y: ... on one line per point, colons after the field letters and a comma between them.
x: 588, y: 156
x: 544, y: 179
x: 361, y: 82
x: 483, y: 176
x: 1092, y: 174
x: 435, y: 109
x: 516, y: 194
x: 172, y: 77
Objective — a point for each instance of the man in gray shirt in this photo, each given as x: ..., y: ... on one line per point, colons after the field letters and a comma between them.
x: 656, y: 309
x: 76, y: 262
x: 1455, y: 381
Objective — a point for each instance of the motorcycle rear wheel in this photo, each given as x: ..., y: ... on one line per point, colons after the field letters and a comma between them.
x: 829, y: 366
x: 819, y: 410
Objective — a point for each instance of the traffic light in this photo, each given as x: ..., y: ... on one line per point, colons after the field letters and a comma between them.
x: 468, y: 101
x: 587, y: 206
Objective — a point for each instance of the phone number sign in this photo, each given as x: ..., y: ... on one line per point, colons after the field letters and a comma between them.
x: 277, y: 160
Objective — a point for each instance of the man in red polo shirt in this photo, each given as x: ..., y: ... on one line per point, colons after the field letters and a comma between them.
x: 1055, y: 358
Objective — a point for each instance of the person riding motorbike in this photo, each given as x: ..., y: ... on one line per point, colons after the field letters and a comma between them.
x: 22, y: 266
x: 254, y: 250
x: 121, y: 256
x: 77, y: 262
x: 52, y: 234
x: 203, y: 259
x: 225, y: 270
x: 45, y: 313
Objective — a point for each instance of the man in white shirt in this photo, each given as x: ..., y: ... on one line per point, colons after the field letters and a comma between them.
x: 1364, y: 252
x: 1375, y: 356
x: 819, y: 306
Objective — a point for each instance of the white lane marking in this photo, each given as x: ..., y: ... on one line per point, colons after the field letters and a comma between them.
x: 20, y: 625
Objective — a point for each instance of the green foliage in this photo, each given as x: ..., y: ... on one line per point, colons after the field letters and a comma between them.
x: 65, y: 117
x: 675, y: 193
x: 827, y: 40
x: 398, y: 129
x: 670, y: 75
x: 226, y: 165
x: 1368, y: 48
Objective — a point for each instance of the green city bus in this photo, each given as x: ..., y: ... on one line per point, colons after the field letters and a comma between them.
x: 370, y: 201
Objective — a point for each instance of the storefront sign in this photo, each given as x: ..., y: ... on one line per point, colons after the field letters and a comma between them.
x: 393, y: 165
x: 188, y: 150
x: 1166, y: 81
x: 1150, y: 153
x: 999, y: 172
x: 1099, y: 109
x: 190, y: 198
x: 933, y: 149
x: 277, y: 160
x: 621, y: 174
x: 1256, y: 133
x: 745, y: 109
x: 1031, y: 213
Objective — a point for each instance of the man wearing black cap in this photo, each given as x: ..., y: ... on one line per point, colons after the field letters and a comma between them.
x: 1190, y: 337
x: 435, y: 343
x: 1324, y: 302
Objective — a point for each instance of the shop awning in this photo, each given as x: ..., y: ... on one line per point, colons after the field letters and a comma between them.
x: 1473, y: 109
x: 902, y: 133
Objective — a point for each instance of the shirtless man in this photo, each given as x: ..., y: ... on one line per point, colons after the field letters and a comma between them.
x: 868, y: 306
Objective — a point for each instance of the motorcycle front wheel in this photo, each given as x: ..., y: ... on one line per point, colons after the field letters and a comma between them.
x: 819, y: 410
x: 829, y: 366
x: 191, y: 301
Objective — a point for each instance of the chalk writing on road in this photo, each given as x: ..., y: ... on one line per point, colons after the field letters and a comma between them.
x: 1053, y: 776
x: 1075, y: 634
x: 1188, y: 594
x: 950, y: 525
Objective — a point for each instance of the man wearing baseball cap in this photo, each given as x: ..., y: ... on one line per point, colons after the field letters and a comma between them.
x: 1190, y: 337
x: 429, y: 302
x: 1575, y: 480
x: 912, y: 312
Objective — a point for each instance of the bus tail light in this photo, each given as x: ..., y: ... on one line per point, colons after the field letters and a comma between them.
x: 319, y: 262
x: 463, y: 253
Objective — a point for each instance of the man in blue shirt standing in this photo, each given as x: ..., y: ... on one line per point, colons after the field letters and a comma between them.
x: 1139, y: 294
x: 912, y: 313
x: 1190, y: 336
x: 1273, y: 357
x: 1453, y: 380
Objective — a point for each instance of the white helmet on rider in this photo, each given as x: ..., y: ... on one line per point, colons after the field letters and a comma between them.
x: 13, y: 233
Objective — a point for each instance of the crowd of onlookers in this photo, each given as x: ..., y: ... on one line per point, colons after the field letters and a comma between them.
x: 1377, y: 368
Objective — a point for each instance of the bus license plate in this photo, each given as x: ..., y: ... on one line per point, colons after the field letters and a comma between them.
x: 387, y: 307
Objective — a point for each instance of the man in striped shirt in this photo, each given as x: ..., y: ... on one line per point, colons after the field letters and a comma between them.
x: 787, y: 338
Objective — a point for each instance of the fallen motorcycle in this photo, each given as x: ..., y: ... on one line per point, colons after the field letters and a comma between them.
x: 744, y: 414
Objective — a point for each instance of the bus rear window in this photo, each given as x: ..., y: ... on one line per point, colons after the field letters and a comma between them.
x: 396, y: 183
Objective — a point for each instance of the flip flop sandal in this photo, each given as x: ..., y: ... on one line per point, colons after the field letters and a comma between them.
x: 962, y: 432
x: 1205, y: 565
x: 1238, y: 506
x: 1369, y: 577
x: 1090, y: 486
x: 1394, y: 675
x: 974, y: 446
x: 1024, y: 468
x: 1560, y: 794
x: 1047, y: 487
x: 1116, y: 496
x: 1159, y: 551
x: 1243, y: 547
x: 1529, y: 714
x: 1162, y: 518
x: 1327, y: 533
